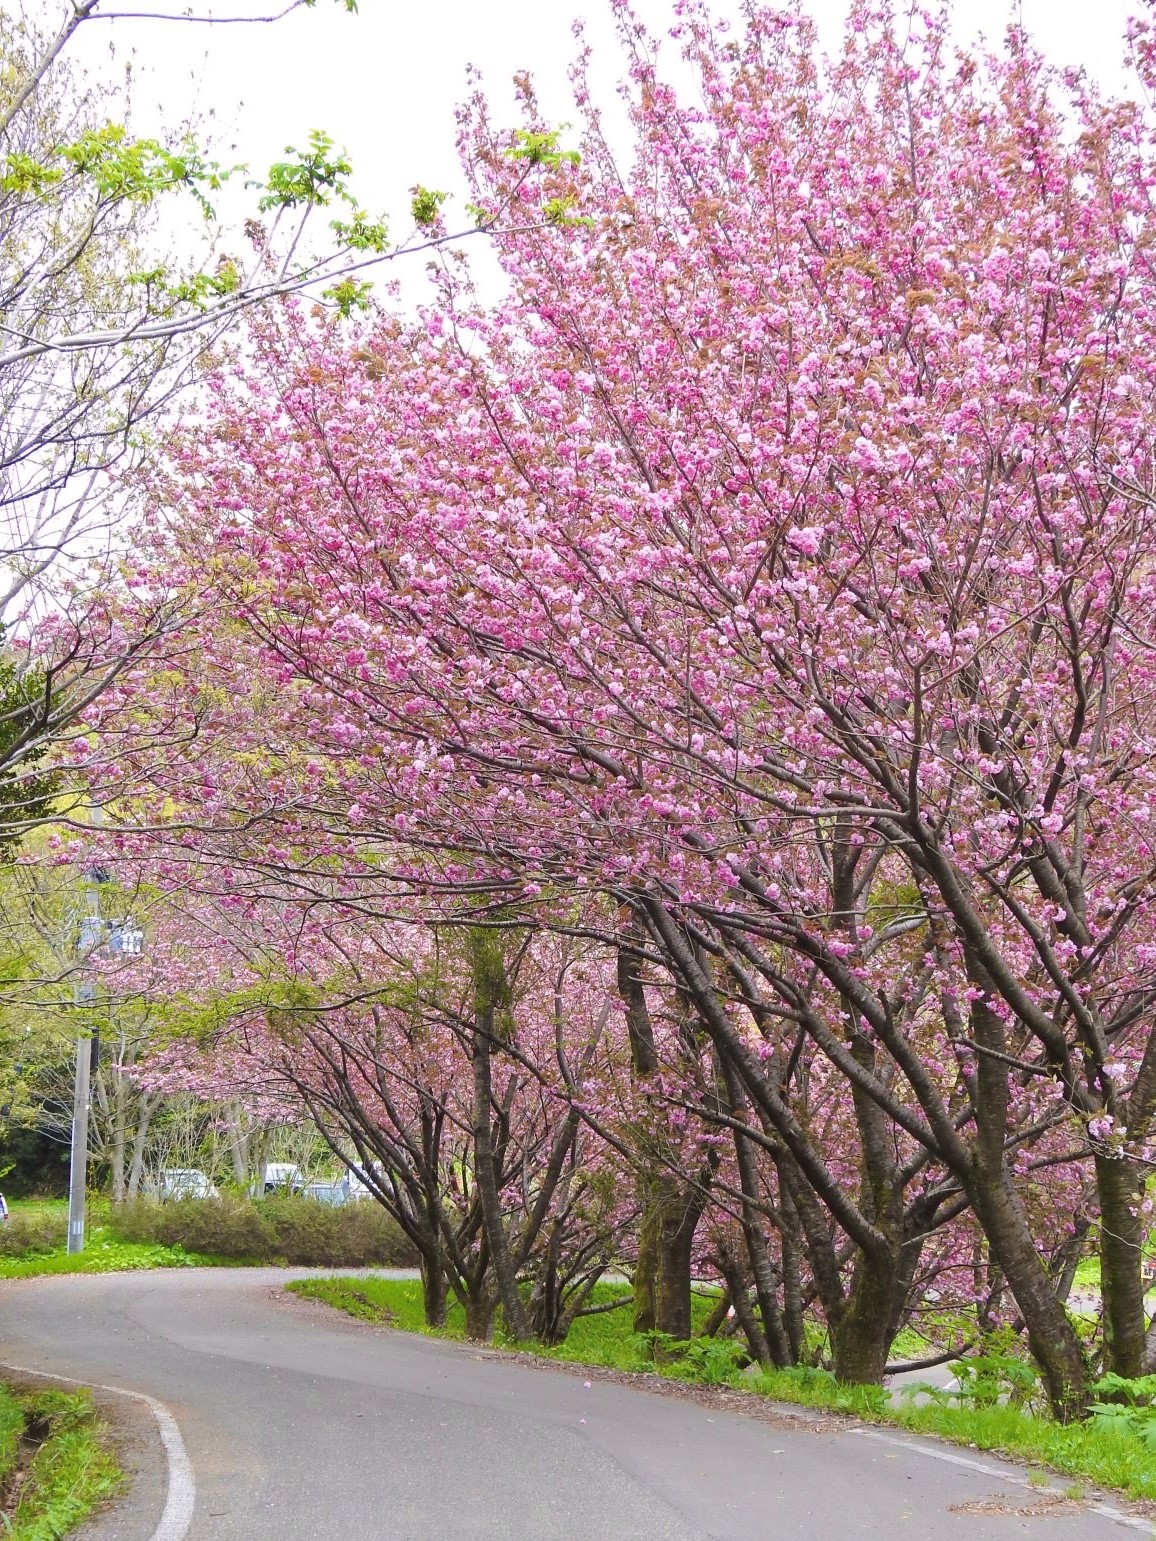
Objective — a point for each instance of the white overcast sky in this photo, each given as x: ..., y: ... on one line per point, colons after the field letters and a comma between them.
x: 384, y: 82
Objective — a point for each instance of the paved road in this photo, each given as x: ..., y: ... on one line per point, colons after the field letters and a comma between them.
x: 300, y: 1427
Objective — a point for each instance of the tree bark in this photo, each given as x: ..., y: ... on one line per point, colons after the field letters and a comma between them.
x: 758, y: 1252
x: 748, y: 1321
x: 861, y: 1337
x: 479, y: 1317
x: 434, y: 1291
x: 646, y: 1266
x: 680, y: 1209
x: 119, y: 1136
x: 487, y: 989
x: 989, y: 1185
x: 1051, y: 1337
x: 1121, y: 1285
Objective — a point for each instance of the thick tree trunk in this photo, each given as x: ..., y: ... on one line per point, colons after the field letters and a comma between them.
x: 861, y: 1337
x: 1051, y: 1337
x: 793, y: 1320
x: 434, y: 1291
x: 680, y: 1209
x: 646, y: 1268
x: 672, y: 1296
x: 989, y: 1184
x: 485, y: 1166
x: 1120, y: 1192
x: 479, y: 1317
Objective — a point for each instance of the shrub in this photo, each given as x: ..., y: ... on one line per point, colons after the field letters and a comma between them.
x: 282, y: 1229
x: 33, y: 1232
x: 223, y: 1227
x: 339, y: 1236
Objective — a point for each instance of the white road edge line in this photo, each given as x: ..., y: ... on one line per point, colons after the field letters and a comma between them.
x: 182, y: 1489
x: 1108, y: 1511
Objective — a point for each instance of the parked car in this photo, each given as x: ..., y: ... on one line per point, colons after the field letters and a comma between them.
x: 356, y: 1188
x: 283, y: 1176
x: 182, y: 1182
x: 336, y: 1192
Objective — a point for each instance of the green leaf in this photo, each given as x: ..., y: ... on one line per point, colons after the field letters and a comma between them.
x: 425, y: 205
x: 314, y: 177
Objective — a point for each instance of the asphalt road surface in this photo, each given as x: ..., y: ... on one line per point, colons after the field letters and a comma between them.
x: 297, y: 1426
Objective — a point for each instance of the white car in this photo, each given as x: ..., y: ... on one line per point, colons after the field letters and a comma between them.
x: 183, y: 1182
x: 283, y: 1176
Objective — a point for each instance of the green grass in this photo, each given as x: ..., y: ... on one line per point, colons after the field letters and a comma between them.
x: 71, y: 1472
x: 1079, y: 1450
x: 1088, y: 1273
x: 605, y: 1339
x: 11, y: 1428
x: 102, y: 1254
x: 1084, y: 1451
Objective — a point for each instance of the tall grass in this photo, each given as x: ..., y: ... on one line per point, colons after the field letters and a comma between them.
x: 72, y: 1470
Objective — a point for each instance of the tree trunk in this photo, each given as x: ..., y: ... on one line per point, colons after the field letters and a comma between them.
x: 793, y: 1320
x: 680, y: 1208
x: 989, y: 1184
x: 861, y: 1337
x: 119, y: 1133
x: 139, y: 1144
x: 238, y: 1147
x: 1051, y: 1337
x: 672, y: 1296
x: 1120, y: 1190
x: 487, y: 989
x: 718, y: 1316
x: 479, y: 1317
x: 434, y: 1292
x: 646, y: 1268
x: 737, y: 1291
x: 758, y: 1253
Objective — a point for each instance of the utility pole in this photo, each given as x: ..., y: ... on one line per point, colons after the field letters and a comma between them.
x: 91, y: 934
x: 125, y: 939
x: 78, y: 1166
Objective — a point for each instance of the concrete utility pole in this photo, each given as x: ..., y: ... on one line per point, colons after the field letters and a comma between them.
x: 91, y: 935
x: 78, y: 1166
x: 125, y: 939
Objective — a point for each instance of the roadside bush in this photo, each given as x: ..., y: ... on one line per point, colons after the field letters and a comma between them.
x: 283, y: 1229
x: 224, y: 1227
x: 33, y: 1232
x: 339, y: 1236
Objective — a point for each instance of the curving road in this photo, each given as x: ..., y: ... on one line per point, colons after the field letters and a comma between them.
x: 299, y: 1426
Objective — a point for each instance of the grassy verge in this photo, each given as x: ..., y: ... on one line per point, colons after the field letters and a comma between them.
x: 11, y: 1430
x: 33, y: 1242
x: 70, y: 1465
x: 605, y: 1339
x: 1086, y: 1451
x: 102, y: 1254
x: 219, y: 1232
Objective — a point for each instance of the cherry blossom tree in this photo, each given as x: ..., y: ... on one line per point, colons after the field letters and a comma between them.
x: 776, y: 561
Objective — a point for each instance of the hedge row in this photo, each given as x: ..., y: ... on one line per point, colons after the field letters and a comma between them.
x: 284, y: 1229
